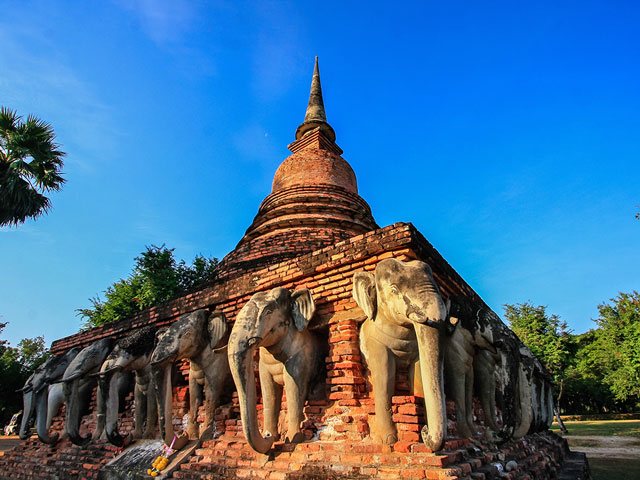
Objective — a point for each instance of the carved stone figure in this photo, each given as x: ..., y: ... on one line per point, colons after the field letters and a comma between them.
x: 276, y: 322
x: 479, y: 348
x: 130, y: 354
x: 78, y: 385
x: 55, y: 400
x: 535, y: 392
x: 405, y: 325
x: 201, y: 338
x: 487, y: 381
x: 43, y: 379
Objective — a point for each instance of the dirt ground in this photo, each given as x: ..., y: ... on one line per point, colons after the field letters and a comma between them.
x: 7, y: 443
x: 606, y: 447
x: 609, y: 457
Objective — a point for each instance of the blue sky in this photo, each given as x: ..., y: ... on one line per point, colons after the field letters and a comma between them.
x: 507, y: 133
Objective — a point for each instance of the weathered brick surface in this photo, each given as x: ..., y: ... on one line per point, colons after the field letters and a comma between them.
x: 314, y: 204
x: 338, y: 442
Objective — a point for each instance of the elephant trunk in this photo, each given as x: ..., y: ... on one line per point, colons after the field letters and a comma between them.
x: 111, y: 404
x: 101, y: 404
x: 525, y: 416
x: 431, y: 366
x: 164, y: 396
x: 241, y: 364
x: 509, y: 360
x: 28, y: 407
x: 42, y: 404
x: 74, y: 413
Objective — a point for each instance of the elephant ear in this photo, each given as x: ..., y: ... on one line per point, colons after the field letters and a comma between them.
x: 452, y: 320
x: 302, y: 308
x: 217, y: 328
x: 364, y: 293
x: 160, y: 333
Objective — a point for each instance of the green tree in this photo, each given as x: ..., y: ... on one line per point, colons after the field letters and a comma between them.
x: 546, y: 335
x: 16, y: 365
x: 30, y: 166
x: 615, y: 352
x: 585, y: 389
x: 156, y: 278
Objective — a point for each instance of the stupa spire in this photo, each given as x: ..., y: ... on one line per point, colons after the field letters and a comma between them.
x: 315, y: 115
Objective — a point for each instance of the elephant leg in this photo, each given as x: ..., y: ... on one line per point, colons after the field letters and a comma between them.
x: 272, y: 401
x: 458, y: 386
x: 215, y: 376
x: 56, y: 400
x: 101, y: 408
x: 468, y: 400
x: 415, y: 380
x: 486, y: 393
x: 140, y: 411
x: 195, y: 400
x: 296, y: 396
x: 382, y: 364
x: 27, y: 414
x: 151, y: 422
x: 164, y: 396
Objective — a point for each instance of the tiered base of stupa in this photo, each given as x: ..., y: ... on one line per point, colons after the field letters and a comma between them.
x: 338, y: 440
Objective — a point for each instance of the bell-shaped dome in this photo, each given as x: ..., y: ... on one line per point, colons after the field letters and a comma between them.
x: 315, y: 166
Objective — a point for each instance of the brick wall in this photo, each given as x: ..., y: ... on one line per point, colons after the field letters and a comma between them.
x: 338, y: 442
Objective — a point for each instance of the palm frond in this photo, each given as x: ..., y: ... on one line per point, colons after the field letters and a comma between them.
x: 30, y: 165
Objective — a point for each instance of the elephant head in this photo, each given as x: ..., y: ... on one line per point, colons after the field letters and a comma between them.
x: 55, y: 400
x: 194, y: 336
x: 499, y: 337
x: 494, y: 353
x: 277, y: 321
x: 535, y: 394
x: 51, y: 372
x: 543, y: 395
x: 78, y: 384
x: 407, y: 319
x: 131, y: 353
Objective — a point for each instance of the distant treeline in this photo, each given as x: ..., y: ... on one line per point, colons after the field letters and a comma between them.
x: 595, y: 372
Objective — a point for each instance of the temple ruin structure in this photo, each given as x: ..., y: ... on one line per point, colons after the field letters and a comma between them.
x: 392, y: 366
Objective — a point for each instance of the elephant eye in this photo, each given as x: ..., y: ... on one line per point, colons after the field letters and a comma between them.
x: 394, y: 290
x: 268, y: 311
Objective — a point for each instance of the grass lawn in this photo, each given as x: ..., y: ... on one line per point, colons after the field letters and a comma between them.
x: 614, y: 469
x: 602, y: 428
x: 610, y: 467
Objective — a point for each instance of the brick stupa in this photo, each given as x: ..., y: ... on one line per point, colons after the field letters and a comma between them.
x: 314, y: 201
x: 313, y: 231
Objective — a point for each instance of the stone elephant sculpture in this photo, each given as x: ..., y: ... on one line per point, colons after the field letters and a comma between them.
x: 130, y: 354
x: 481, y: 354
x: 42, y: 384
x: 55, y: 400
x: 79, y: 383
x: 535, y: 394
x: 405, y: 326
x: 201, y: 338
x: 289, y: 356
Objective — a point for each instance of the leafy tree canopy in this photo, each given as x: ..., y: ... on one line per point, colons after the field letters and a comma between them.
x: 615, y: 351
x: 156, y: 278
x: 30, y: 166
x: 546, y: 335
x: 597, y: 371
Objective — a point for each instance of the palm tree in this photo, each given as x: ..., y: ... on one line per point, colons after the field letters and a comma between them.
x: 30, y: 165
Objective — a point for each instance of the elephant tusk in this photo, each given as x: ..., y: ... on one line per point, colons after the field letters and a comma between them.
x: 104, y: 373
